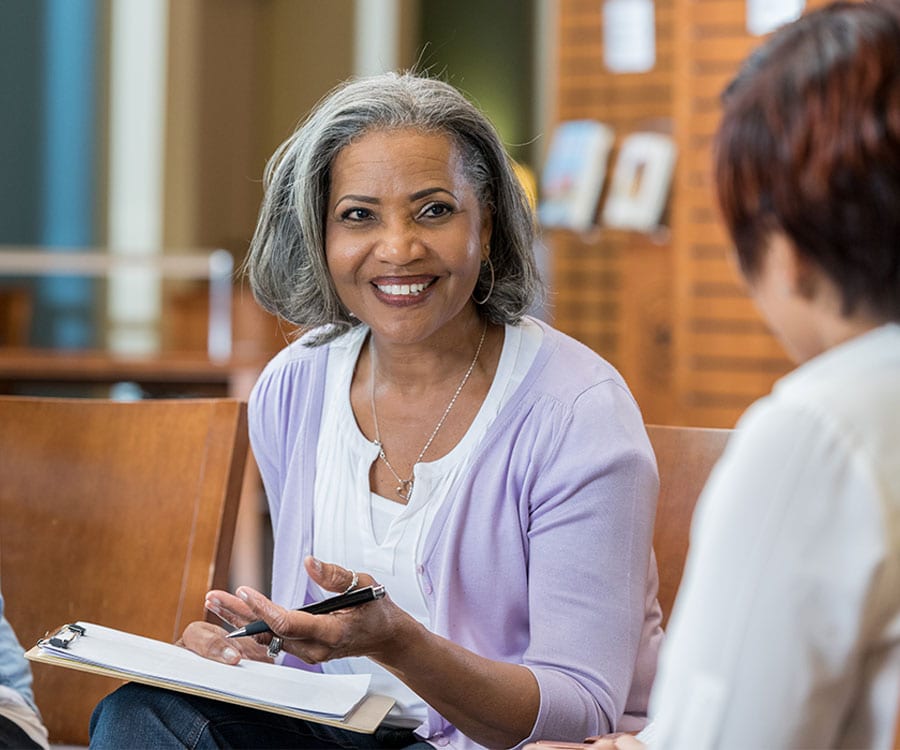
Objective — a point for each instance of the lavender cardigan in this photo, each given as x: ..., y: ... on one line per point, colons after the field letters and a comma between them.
x: 540, y: 556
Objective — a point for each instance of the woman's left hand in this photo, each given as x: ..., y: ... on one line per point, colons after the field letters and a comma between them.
x: 617, y: 741
x: 364, y: 630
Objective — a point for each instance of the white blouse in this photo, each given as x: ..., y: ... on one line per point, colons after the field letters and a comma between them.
x: 368, y: 533
x: 786, y: 630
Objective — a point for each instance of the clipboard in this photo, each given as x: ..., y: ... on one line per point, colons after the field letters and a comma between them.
x: 114, y: 653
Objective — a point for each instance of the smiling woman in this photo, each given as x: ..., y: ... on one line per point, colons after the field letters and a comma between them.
x: 287, y: 262
x: 426, y: 434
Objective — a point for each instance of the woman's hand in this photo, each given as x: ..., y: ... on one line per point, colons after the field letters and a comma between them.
x: 470, y: 691
x: 617, y: 741
x: 365, y: 630
x: 358, y: 631
x: 629, y: 742
x: 209, y: 641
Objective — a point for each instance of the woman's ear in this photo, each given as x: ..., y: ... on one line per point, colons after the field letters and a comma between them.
x: 794, y: 272
x: 487, y: 228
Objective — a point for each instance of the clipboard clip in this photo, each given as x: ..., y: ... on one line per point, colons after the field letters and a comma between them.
x: 64, y: 637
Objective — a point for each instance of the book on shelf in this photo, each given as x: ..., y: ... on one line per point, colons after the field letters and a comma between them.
x: 574, y: 173
x: 640, y: 183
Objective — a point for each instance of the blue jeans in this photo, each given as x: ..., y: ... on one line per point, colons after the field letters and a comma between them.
x: 140, y: 716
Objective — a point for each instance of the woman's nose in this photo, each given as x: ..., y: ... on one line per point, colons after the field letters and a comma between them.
x: 399, y: 245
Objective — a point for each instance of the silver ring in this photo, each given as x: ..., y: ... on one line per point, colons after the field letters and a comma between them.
x: 353, y: 583
x: 275, y: 646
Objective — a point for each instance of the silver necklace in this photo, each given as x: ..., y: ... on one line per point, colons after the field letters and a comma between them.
x: 405, y: 486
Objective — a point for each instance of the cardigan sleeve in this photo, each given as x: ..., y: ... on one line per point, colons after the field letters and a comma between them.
x: 590, y: 536
x: 264, y: 409
x: 284, y: 406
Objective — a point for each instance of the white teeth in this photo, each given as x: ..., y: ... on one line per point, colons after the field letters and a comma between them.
x: 402, y: 289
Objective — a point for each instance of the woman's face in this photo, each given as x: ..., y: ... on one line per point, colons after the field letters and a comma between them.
x: 405, y: 233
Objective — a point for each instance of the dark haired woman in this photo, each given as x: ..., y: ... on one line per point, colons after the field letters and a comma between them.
x: 786, y: 631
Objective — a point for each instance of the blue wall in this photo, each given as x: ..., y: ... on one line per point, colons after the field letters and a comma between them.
x: 49, y: 57
x: 21, y: 85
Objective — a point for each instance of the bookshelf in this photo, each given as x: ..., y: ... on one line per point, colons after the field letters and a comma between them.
x: 668, y: 309
x: 611, y: 288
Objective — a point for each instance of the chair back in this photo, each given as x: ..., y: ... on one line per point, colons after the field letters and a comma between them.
x: 685, y: 457
x: 897, y: 732
x: 116, y: 513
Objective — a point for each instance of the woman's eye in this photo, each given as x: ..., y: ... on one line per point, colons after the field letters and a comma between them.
x: 436, y: 210
x: 356, y: 214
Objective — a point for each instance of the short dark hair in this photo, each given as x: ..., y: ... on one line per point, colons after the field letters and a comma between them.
x: 809, y: 145
x: 286, y: 263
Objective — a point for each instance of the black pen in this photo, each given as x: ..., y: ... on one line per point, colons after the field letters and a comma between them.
x: 341, y: 601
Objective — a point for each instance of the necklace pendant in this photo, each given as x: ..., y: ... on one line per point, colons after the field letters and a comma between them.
x: 404, y: 488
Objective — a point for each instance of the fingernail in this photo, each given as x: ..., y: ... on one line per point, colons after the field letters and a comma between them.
x: 229, y: 654
x: 317, y: 564
x: 243, y: 594
x: 214, y: 604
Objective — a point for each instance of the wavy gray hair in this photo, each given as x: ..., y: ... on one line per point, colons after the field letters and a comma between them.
x: 286, y: 263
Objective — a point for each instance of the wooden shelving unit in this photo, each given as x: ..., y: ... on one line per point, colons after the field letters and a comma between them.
x: 669, y: 310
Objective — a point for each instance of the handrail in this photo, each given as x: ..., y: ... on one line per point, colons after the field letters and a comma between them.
x: 215, y: 265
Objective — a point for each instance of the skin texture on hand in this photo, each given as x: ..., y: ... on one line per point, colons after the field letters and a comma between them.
x: 312, y: 638
x: 616, y: 741
x: 366, y: 630
x: 209, y: 641
x: 470, y: 691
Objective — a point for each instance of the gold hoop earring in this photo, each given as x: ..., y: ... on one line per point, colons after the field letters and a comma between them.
x: 490, y: 289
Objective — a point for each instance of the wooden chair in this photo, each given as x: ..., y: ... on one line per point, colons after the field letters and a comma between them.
x: 685, y: 457
x: 897, y: 732
x: 116, y: 513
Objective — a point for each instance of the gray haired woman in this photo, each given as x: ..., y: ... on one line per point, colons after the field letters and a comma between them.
x: 424, y: 433
x: 287, y: 263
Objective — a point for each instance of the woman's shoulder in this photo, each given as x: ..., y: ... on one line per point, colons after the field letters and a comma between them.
x: 285, y: 371
x: 297, y: 372
x: 571, y: 395
x: 567, y: 368
x: 295, y: 355
x: 304, y: 353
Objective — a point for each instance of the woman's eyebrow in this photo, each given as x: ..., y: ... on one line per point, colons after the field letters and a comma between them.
x: 418, y: 195
x: 431, y: 191
x: 357, y: 198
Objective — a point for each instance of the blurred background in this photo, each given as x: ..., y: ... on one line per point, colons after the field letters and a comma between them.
x: 135, y: 133
x: 141, y: 128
